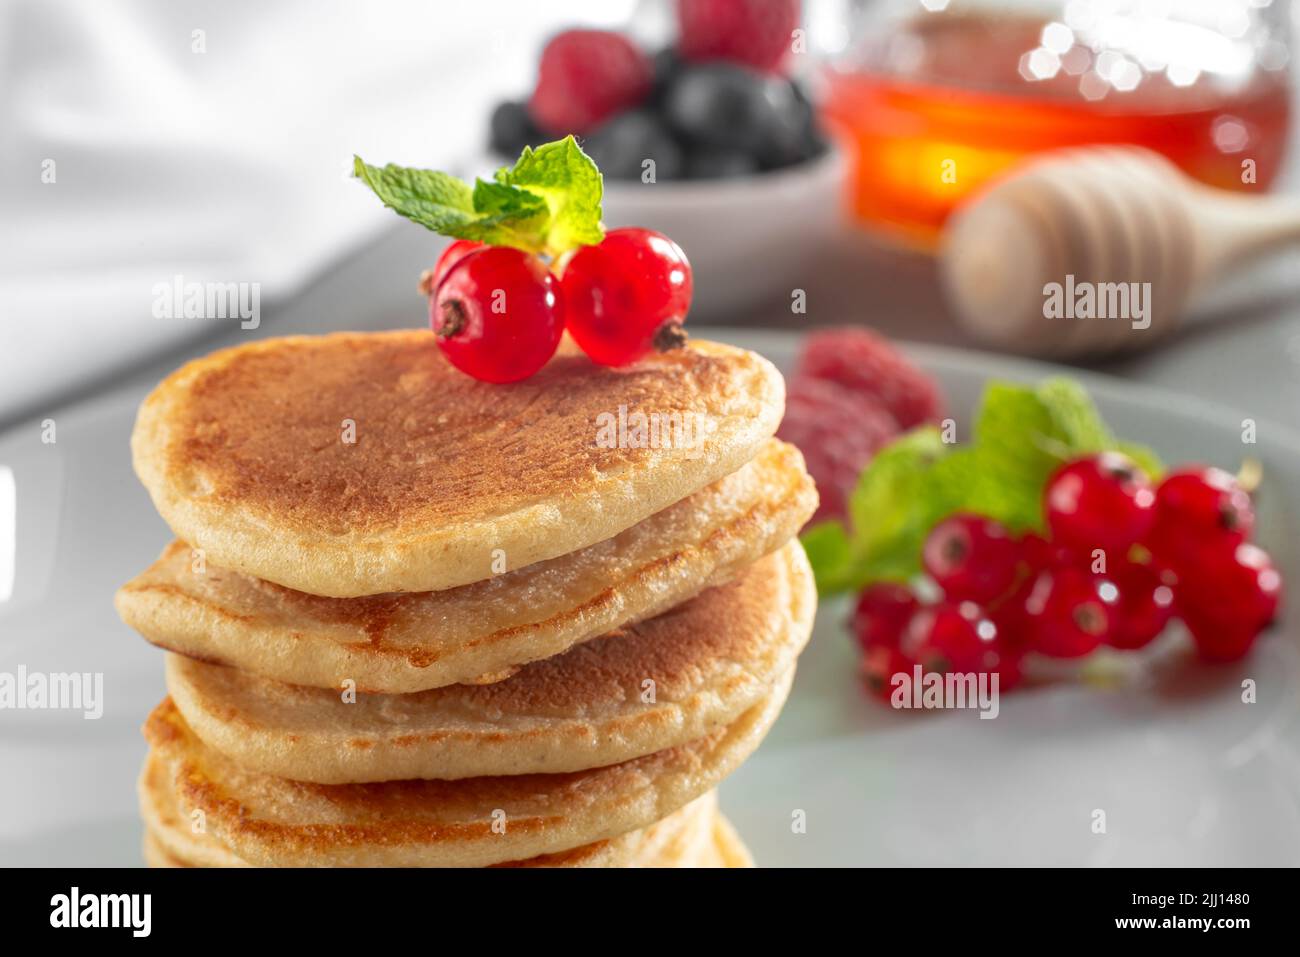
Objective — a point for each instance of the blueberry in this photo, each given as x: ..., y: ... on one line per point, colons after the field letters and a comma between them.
x: 512, y: 128
x: 728, y: 106
x: 788, y: 135
x: 667, y: 64
x: 621, y: 146
x: 811, y: 142
x: 716, y: 104
x: 718, y: 162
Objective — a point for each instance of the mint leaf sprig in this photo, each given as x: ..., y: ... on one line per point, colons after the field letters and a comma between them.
x: 549, y: 202
x: 1022, y: 434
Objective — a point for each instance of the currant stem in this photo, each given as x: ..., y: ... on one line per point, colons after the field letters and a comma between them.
x: 671, y: 335
x: 1250, y: 474
x: 453, y: 319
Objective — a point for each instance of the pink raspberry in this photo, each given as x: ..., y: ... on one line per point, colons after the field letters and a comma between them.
x: 838, y: 431
x: 758, y: 33
x: 868, y: 364
x: 585, y: 77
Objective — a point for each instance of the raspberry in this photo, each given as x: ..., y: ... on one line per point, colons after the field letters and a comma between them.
x: 866, y: 363
x: 585, y: 77
x: 839, y: 432
x: 754, y: 32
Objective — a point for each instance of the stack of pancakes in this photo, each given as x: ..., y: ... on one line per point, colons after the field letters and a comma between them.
x: 418, y: 620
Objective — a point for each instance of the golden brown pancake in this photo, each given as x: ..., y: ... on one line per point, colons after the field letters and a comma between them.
x: 727, y: 849
x: 472, y: 822
x: 363, y: 463
x: 650, y: 686
x: 415, y: 641
x: 722, y: 848
x: 673, y: 841
x: 171, y: 839
x: 156, y: 856
x: 682, y: 839
x: 718, y: 847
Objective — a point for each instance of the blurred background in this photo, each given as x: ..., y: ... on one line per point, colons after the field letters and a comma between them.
x: 146, y: 140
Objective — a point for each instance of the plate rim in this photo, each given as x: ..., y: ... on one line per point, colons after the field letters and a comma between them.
x: 994, y: 365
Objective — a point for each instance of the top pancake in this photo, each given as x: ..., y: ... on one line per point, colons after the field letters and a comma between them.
x: 246, y: 455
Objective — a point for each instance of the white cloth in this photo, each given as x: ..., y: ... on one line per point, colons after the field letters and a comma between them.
x: 227, y: 165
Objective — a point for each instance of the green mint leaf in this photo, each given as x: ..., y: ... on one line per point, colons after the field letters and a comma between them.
x: 1146, y: 458
x: 435, y: 200
x: 1074, y: 416
x: 1017, y: 445
x: 894, y: 505
x: 830, y: 553
x: 487, y: 212
x: 1082, y: 427
x: 1021, y: 435
x: 548, y: 202
x: 509, y: 216
x: 498, y: 202
x: 963, y: 482
x: 568, y: 180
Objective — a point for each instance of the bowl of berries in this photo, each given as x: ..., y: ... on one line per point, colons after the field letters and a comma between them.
x: 712, y: 141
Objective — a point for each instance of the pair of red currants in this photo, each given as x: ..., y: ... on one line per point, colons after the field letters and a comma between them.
x: 499, y: 312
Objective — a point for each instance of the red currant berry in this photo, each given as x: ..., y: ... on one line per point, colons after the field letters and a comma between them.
x: 1015, y: 632
x: 1015, y: 629
x: 971, y: 558
x: 1068, y: 612
x: 1039, y: 553
x: 951, y: 637
x: 1006, y: 665
x: 882, y: 612
x: 879, y: 665
x: 1218, y: 640
x: 1197, y: 507
x: 1103, y: 501
x: 450, y: 256
x: 1242, y: 587
x: 498, y: 315
x: 627, y: 296
x: 1146, y: 602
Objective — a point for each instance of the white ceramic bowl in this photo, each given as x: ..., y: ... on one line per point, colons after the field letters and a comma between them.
x: 749, y: 239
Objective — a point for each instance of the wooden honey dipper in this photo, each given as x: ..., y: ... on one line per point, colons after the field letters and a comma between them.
x: 1104, y: 214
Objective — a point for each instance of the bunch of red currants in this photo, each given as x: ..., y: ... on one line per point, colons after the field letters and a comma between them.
x: 1121, y: 559
x: 499, y: 312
